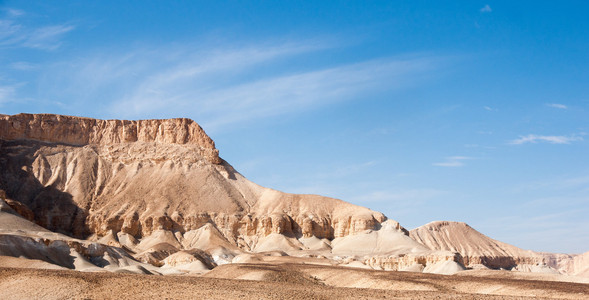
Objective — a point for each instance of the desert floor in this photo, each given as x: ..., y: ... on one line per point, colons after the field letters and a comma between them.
x: 283, y: 281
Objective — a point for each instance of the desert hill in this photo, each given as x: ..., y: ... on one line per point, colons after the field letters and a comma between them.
x: 155, y: 197
x: 474, y: 247
x: 477, y: 249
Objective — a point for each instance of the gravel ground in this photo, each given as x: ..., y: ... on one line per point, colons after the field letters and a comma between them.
x: 281, y: 282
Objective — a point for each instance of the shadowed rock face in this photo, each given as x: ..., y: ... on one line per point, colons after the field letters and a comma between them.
x: 82, y: 176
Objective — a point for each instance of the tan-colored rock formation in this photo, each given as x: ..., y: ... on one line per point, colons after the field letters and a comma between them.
x: 477, y: 249
x: 87, y: 177
x: 20, y: 238
x: 85, y: 131
x: 153, y: 196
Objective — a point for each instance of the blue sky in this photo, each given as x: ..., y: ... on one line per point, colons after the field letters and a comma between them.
x: 473, y: 111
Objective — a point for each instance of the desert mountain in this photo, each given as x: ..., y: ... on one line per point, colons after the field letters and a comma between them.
x: 82, y: 176
x: 155, y: 197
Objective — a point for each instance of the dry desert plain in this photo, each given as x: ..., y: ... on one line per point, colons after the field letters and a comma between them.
x: 283, y: 281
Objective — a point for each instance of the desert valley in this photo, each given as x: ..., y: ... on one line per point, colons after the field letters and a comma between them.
x: 142, y: 209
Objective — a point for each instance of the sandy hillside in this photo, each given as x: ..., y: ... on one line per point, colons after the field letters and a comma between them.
x: 478, y: 250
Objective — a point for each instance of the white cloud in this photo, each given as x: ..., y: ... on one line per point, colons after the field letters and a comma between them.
x: 488, y: 108
x: 14, y: 12
x: 552, y: 139
x: 22, y: 65
x: 228, y: 86
x: 46, y: 38
x: 292, y: 93
x: 15, y: 34
x: 453, y: 161
x: 7, y: 93
x: 557, y: 105
x: 486, y: 9
x: 8, y: 32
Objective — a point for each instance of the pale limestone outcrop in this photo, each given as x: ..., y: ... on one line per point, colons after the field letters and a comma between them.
x: 403, y: 261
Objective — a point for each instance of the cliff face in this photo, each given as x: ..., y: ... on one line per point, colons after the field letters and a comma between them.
x: 159, y: 187
x: 86, y: 177
x: 85, y: 131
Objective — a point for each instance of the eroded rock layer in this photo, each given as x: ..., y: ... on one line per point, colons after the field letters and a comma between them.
x: 155, y: 193
x: 85, y: 131
x: 477, y: 249
x: 87, y: 177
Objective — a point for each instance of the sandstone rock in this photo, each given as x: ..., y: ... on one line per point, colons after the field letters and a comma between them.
x: 157, y: 189
x: 85, y: 177
x: 20, y: 209
x: 85, y: 131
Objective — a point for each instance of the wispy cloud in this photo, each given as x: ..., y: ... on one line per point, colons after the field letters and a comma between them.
x: 453, y: 161
x: 297, y: 92
x: 552, y: 139
x: 8, y: 32
x: 557, y: 105
x: 46, y: 38
x: 14, y: 34
x: 7, y: 93
x: 22, y: 65
x: 486, y: 9
x: 229, y: 85
x: 488, y: 108
x: 14, y: 12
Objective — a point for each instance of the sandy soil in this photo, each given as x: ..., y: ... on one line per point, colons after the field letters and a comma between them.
x: 276, y: 281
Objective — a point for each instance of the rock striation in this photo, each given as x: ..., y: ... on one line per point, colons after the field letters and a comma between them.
x: 84, y: 131
x: 476, y: 249
x: 84, y: 177
x: 155, y: 194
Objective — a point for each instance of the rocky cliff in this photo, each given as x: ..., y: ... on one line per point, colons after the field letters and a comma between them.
x: 79, y: 131
x: 85, y: 177
x: 158, y: 190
